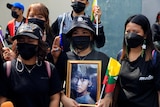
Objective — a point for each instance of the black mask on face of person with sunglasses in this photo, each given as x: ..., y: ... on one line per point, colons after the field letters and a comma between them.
x: 78, y: 6
x: 133, y: 40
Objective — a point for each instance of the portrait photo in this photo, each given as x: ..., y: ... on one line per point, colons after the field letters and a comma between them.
x: 83, y: 81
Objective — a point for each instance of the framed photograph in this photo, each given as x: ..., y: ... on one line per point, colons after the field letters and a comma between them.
x: 83, y: 82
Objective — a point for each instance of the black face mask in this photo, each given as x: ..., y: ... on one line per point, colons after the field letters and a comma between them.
x: 14, y: 14
x: 38, y: 22
x: 80, y: 42
x: 78, y: 6
x: 133, y: 40
x: 27, y: 51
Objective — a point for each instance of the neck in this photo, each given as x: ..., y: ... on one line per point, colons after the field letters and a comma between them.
x: 19, y: 19
x: 30, y: 61
x: 74, y: 14
x: 135, y: 53
x: 83, y: 52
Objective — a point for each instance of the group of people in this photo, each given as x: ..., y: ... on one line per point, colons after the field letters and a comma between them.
x: 34, y: 69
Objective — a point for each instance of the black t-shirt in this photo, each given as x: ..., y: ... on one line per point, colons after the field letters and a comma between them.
x: 30, y: 89
x: 138, y: 83
x: 61, y: 64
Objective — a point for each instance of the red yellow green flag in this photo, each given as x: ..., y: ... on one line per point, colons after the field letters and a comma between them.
x: 112, y: 73
x: 94, y: 3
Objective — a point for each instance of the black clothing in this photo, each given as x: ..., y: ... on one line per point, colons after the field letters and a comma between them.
x: 29, y: 89
x: 139, y: 82
x: 156, y: 32
x: 11, y: 29
x: 100, y: 39
x: 61, y: 64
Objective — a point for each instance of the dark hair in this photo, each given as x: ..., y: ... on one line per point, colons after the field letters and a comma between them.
x: 142, y: 21
x: 42, y: 50
x: 157, y: 18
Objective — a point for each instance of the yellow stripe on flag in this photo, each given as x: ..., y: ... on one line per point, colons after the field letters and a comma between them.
x: 113, y: 67
x: 94, y: 3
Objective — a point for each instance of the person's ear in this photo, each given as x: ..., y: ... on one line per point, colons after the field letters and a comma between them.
x: 90, y: 83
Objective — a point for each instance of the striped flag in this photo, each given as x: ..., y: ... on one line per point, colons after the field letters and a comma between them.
x: 111, y: 75
x: 94, y: 3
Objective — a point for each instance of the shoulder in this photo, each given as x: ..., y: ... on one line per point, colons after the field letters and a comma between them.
x: 97, y: 55
x: 101, y: 54
x: 155, y: 25
x: 67, y: 14
x: 11, y: 21
x: 71, y: 55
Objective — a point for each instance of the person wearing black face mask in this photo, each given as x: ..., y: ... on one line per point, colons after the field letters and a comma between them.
x: 38, y: 81
x: 78, y: 8
x: 156, y: 32
x: 17, y: 10
x: 133, y: 40
x: 138, y: 81
x: 82, y: 39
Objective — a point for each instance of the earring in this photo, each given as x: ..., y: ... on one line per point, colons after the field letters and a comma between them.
x: 38, y: 63
x: 143, y: 48
x: 144, y: 45
x: 22, y: 66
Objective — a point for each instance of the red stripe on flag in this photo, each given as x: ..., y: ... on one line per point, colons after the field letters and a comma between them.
x: 105, y: 80
x: 110, y: 88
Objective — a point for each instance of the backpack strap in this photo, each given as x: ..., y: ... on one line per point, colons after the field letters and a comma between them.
x: 154, y: 55
x: 119, y: 55
x: 48, y: 68
x: 8, y: 68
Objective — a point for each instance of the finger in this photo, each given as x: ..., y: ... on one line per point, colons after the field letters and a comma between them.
x: 56, y: 41
x: 56, y: 49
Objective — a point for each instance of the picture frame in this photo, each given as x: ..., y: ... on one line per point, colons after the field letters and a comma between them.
x: 83, y: 83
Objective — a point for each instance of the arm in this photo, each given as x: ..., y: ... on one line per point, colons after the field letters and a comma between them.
x: 100, y: 39
x: 54, y: 100
x: 55, y: 27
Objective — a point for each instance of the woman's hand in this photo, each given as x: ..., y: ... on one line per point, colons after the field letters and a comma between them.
x: 105, y: 102
x: 97, y: 12
x: 56, y: 50
x: 68, y: 102
x: 8, y: 54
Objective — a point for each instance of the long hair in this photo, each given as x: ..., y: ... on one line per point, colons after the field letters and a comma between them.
x: 41, y: 9
x: 158, y: 17
x: 142, y: 21
x: 42, y: 50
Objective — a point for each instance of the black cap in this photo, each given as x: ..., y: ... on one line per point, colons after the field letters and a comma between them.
x: 30, y: 30
x: 82, y: 22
